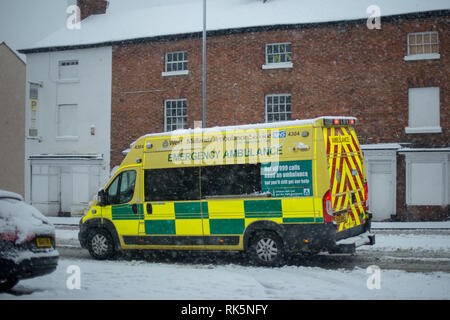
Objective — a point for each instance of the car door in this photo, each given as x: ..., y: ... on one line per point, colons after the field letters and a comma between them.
x: 123, y: 206
x: 173, y: 211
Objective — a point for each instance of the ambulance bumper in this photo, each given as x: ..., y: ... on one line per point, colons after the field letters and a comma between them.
x: 349, y: 245
x: 324, y: 238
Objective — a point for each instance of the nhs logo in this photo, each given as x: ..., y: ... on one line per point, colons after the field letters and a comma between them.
x: 279, y: 134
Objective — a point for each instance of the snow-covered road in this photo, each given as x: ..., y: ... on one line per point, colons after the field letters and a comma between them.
x: 146, y: 280
x: 318, y: 278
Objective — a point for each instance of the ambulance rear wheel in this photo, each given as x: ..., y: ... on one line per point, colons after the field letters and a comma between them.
x: 100, y: 244
x: 266, y: 249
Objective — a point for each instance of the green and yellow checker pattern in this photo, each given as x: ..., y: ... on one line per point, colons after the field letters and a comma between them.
x: 225, y: 217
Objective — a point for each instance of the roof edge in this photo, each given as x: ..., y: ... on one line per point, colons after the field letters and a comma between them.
x: 13, y: 51
x: 240, y: 30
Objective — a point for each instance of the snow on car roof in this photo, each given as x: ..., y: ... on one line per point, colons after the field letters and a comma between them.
x: 10, y: 195
x: 137, y: 19
x: 18, y: 216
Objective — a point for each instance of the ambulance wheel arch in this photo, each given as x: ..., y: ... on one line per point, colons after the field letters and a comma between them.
x: 266, y: 248
x: 264, y: 243
x: 258, y: 226
x: 105, y: 231
x: 100, y: 244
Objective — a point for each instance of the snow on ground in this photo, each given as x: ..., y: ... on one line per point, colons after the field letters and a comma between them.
x: 411, y: 225
x: 386, y: 242
x: 404, y: 241
x: 145, y: 280
x: 196, y: 281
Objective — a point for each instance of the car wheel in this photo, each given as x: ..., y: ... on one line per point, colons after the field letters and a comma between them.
x: 7, y: 284
x: 266, y: 249
x: 100, y: 244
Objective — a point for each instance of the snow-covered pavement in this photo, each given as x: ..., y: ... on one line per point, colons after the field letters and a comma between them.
x: 179, y: 279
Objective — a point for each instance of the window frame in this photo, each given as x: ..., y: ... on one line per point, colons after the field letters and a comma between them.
x: 422, y: 56
x: 58, y: 121
x: 277, y: 95
x: 201, y: 186
x: 229, y: 171
x: 119, y: 187
x: 280, y: 64
x: 424, y: 129
x: 74, y: 62
x: 184, y: 100
x: 184, y: 62
x: 168, y: 197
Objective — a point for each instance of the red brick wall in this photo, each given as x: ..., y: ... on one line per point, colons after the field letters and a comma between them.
x: 338, y: 70
x: 90, y: 7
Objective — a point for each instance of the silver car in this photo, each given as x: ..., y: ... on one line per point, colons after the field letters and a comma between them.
x: 27, y: 241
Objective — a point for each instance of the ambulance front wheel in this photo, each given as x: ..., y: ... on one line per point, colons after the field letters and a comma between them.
x: 100, y: 244
x: 266, y: 249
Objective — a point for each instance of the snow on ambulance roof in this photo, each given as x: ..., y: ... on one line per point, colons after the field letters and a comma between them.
x: 224, y: 129
x: 254, y: 126
x: 137, y: 19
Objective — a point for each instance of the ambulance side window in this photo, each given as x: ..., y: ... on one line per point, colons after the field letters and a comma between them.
x: 121, y: 190
x: 112, y: 190
x: 172, y: 184
x: 238, y: 179
x: 127, y: 186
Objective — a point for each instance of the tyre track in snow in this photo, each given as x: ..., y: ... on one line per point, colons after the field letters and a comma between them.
x: 407, y: 260
x: 386, y: 255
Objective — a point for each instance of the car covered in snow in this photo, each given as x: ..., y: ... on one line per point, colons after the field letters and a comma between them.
x: 27, y: 241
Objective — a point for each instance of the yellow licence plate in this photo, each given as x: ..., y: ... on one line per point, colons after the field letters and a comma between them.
x: 43, y: 242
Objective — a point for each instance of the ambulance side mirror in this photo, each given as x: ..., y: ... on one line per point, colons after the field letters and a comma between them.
x: 102, y: 198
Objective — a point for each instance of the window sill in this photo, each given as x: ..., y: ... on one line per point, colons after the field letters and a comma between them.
x: 281, y: 65
x: 67, y: 138
x: 175, y: 73
x: 423, y: 130
x: 68, y: 80
x: 429, y: 56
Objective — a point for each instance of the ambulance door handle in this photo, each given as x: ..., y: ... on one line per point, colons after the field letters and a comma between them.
x: 134, y: 208
x: 149, y: 208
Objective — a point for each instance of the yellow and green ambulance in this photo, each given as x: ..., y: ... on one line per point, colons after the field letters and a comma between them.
x: 270, y: 190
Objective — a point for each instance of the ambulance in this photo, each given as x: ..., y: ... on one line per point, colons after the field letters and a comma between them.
x: 270, y: 190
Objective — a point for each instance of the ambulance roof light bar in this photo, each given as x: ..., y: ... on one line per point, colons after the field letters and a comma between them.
x: 339, y: 121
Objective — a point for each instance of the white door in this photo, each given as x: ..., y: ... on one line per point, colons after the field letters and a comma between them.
x: 64, y: 187
x: 66, y: 191
x: 46, y: 188
x: 381, y: 191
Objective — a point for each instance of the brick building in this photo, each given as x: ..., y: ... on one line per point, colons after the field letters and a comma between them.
x: 393, y: 79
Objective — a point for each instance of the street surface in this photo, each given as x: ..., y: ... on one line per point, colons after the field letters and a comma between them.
x: 411, y: 264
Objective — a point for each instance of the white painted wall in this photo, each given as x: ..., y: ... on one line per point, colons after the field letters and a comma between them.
x: 89, y: 99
